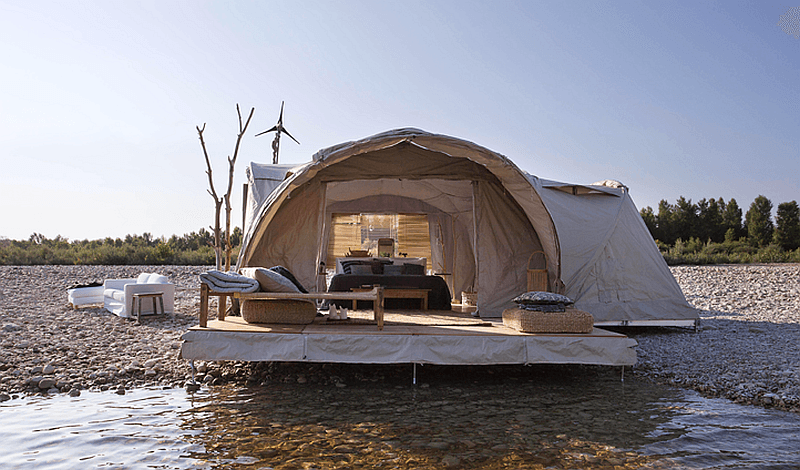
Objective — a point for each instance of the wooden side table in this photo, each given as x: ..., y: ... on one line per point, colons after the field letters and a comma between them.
x: 398, y: 293
x: 147, y: 295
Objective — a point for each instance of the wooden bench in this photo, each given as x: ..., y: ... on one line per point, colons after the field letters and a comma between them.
x: 205, y: 293
x: 375, y: 295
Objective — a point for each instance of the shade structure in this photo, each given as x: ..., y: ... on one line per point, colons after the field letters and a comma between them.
x: 486, y: 218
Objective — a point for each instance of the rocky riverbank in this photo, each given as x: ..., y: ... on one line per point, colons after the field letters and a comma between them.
x: 746, y: 349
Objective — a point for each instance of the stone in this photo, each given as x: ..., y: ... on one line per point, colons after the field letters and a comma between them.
x: 450, y: 461
x: 46, y: 384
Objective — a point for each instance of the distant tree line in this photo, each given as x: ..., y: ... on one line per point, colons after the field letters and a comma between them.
x: 712, y: 231
x: 195, y: 249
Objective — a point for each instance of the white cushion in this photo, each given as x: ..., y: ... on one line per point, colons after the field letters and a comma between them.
x: 156, y: 278
x: 116, y: 294
x: 142, y: 279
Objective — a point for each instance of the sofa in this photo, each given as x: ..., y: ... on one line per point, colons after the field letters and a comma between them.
x: 118, y: 294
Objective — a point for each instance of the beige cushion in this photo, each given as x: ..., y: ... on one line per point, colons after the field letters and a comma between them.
x: 270, y: 281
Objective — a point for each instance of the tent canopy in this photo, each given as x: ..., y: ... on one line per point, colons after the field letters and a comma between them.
x: 486, y: 217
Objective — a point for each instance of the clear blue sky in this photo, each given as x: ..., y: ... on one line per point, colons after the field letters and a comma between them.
x: 100, y: 99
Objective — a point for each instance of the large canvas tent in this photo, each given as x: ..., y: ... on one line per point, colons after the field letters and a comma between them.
x: 486, y: 218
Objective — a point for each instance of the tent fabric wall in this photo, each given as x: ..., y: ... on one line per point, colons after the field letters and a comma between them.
x: 505, y: 241
x: 262, y: 179
x: 598, y: 250
x: 293, y: 240
x: 611, y: 266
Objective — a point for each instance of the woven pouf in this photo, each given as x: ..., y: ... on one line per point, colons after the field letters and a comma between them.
x: 527, y: 321
x: 289, y: 312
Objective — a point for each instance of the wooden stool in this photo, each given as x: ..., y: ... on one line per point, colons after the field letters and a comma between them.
x: 144, y: 295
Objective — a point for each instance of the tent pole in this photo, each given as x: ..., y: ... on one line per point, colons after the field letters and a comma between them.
x: 244, y: 207
x: 622, y: 374
x: 414, y: 379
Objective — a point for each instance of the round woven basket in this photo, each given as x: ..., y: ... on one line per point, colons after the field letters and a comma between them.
x: 571, y: 321
x: 288, y: 312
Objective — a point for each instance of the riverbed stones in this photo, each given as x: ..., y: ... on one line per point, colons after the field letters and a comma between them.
x: 745, y: 349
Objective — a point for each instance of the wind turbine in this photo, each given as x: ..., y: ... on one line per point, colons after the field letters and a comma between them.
x: 278, y: 128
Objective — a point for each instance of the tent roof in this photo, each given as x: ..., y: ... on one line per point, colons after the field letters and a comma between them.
x: 462, y: 157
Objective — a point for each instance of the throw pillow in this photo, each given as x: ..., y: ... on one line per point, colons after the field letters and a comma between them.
x: 379, y: 265
x: 288, y: 275
x: 361, y: 269
x: 393, y: 270
x: 560, y: 307
x: 156, y: 278
x: 542, y: 298
x: 270, y: 281
x: 413, y: 269
x: 347, y: 266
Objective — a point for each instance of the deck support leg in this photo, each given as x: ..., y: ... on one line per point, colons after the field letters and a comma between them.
x: 191, y: 366
x: 622, y: 375
x: 414, y: 379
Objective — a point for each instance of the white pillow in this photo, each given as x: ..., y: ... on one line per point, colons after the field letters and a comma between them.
x: 143, y: 278
x: 156, y: 278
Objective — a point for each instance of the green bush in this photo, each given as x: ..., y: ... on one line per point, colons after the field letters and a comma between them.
x: 193, y: 249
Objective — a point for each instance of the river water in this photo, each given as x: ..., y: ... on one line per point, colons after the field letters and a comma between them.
x: 521, y: 417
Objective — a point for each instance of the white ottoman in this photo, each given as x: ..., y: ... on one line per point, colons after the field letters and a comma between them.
x: 85, y: 296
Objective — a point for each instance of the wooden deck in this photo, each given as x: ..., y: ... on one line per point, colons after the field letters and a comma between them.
x: 409, y: 336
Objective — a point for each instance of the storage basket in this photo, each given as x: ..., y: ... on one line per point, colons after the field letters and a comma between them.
x: 469, y: 299
x: 527, y: 321
x: 537, y: 274
x: 283, y: 311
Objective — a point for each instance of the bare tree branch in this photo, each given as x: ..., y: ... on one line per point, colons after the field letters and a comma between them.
x: 218, y: 242
x: 231, y: 164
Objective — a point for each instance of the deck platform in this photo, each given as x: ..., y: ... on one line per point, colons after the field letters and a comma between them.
x: 424, y: 337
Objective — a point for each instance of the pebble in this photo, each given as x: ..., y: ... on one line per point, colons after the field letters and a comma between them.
x: 744, y: 349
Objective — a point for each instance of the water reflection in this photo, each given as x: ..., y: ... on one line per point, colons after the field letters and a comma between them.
x: 587, y: 420
x: 559, y: 417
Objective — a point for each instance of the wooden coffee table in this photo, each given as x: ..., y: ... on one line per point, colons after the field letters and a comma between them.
x: 398, y: 293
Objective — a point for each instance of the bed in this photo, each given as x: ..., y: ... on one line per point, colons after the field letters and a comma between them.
x: 392, y: 273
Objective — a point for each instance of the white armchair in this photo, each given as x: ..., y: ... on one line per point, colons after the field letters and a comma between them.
x: 118, y: 293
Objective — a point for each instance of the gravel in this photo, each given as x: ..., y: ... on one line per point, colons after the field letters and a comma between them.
x: 745, y: 349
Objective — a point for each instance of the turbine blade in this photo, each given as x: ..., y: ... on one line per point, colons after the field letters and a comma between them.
x: 290, y: 135
x: 273, y: 128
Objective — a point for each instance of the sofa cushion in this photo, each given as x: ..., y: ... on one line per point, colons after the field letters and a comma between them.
x: 143, y: 278
x: 270, y: 281
x: 156, y: 278
x: 116, y: 294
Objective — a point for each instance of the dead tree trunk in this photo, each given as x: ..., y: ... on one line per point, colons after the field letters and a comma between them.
x: 217, y: 229
x: 231, y: 164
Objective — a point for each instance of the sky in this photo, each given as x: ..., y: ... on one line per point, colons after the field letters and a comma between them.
x: 101, y: 99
